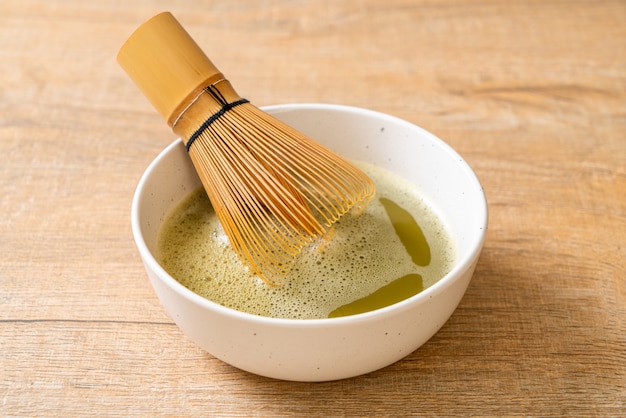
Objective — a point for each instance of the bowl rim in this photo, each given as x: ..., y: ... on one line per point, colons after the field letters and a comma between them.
x: 441, y: 285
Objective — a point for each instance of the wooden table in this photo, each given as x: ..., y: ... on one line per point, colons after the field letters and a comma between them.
x: 531, y: 93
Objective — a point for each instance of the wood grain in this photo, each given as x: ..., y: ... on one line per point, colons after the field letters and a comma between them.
x: 531, y: 93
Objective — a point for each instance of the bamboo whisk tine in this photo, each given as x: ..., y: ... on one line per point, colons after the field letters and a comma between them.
x: 273, y: 189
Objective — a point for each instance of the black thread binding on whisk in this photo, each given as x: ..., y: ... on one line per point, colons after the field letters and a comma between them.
x: 217, y: 95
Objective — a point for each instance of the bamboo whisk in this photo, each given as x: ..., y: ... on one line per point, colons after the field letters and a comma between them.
x: 273, y: 189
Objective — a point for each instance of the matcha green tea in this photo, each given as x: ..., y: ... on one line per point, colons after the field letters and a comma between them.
x: 393, y: 250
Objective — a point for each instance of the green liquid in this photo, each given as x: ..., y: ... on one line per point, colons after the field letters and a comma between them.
x: 394, y: 292
x: 408, y: 231
x: 394, y: 249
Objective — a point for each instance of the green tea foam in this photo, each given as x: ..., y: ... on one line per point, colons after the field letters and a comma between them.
x: 364, y: 254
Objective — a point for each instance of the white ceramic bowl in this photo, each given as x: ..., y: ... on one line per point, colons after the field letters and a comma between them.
x: 325, y: 349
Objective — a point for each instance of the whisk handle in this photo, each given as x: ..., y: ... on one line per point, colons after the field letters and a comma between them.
x: 166, y: 64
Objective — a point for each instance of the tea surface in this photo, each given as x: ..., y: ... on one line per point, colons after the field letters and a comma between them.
x: 394, y: 249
